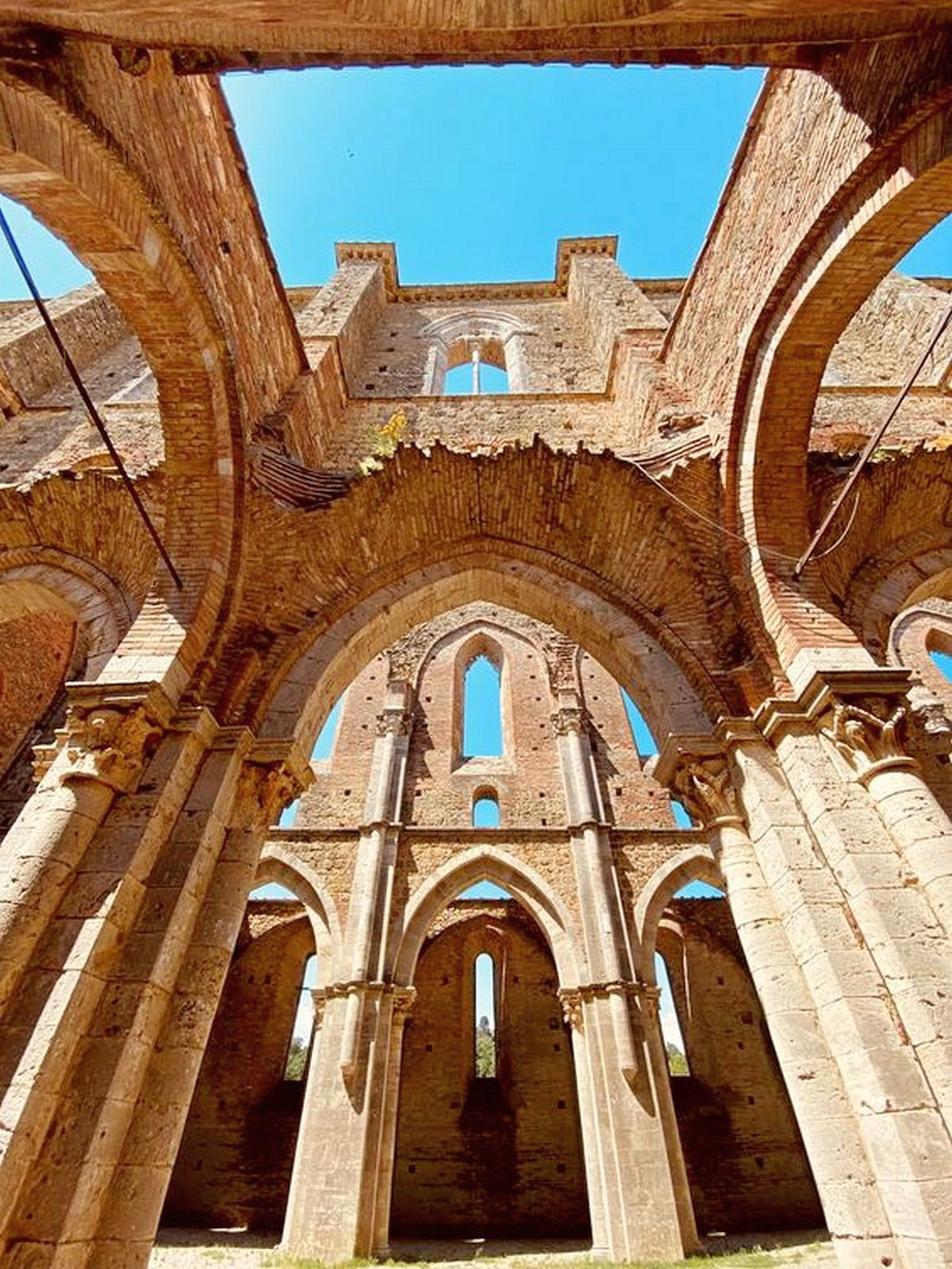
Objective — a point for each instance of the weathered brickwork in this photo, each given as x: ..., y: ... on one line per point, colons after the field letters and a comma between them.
x: 499, y: 1156
x: 629, y: 513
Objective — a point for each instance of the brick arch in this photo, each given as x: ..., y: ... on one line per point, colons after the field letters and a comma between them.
x: 302, y: 692
x: 463, y: 635
x: 904, y: 190
x: 47, y: 577
x: 889, y: 586
x: 282, y: 867
x: 693, y: 863
x: 70, y: 179
x: 489, y: 863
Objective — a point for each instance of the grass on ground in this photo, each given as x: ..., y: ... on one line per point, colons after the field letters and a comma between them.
x: 755, y: 1258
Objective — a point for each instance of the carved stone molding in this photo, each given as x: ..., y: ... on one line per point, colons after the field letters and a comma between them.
x: 696, y: 770
x: 569, y: 720
x: 111, y: 741
x: 394, y: 722
x: 573, y: 999
x: 404, y: 998
x: 868, y: 734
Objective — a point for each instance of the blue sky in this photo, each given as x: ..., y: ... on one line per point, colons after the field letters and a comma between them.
x: 476, y: 171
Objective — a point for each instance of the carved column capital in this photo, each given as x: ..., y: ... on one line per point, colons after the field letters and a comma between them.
x: 273, y: 774
x: 111, y: 733
x: 696, y: 770
x: 393, y: 722
x: 863, y: 713
x: 569, y: 720
x: 404, y: 1000
x: 570, y: 999
x: 868, y: 734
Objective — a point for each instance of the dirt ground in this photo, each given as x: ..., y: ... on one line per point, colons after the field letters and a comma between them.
x: 202, y: 1249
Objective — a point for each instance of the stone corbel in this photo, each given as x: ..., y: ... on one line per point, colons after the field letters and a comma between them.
x: 274, y: 773
x: 696, y: 770
x: 568, y: 720
x: 862, y: 713
x: 111, y: 732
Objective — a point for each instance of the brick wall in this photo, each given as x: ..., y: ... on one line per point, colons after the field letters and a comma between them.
x: 488, y: 1156
x: 234, y: 1164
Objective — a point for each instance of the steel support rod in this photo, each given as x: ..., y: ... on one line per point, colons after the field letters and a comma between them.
x: 87, y: 400
x: 937, y: 333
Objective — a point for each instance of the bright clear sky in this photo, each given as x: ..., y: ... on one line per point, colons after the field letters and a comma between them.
x: 476, y: 171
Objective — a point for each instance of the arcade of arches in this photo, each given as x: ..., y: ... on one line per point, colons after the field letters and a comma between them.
x: 625, y: 516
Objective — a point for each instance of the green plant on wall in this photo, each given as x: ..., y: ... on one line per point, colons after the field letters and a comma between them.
x: 382, y: 442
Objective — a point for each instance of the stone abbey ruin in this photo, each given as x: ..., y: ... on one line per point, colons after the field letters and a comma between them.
x: 178, y: 1045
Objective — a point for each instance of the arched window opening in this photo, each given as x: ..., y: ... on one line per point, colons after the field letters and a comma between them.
x: 485, y: 809
x: 641, y: 735
x: 289, y: 814
x: 699, y: 890
x: 485, y: 890
x: 302, y: 1031
x: 942, y: 662
x: 484, y: 1004
x: 274, y: 890
x: 479, y: 369
x: 324, y: 745
x: 674, y: 1046
x: 482, y: 710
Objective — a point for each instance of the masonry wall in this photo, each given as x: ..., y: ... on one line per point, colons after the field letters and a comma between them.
x: 440, y: 782
x: 488, y: 1157
x: 234, y: 1164
x: 746, y: 1164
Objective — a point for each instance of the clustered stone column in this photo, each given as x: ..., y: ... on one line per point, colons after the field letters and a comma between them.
x: 113, y: 981
x: 619, y: 1082
x: 339, y: 1202
x: 820, y: 822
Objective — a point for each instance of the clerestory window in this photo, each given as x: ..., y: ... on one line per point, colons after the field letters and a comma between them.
x: 484, y: 1005
x: 482, y: 709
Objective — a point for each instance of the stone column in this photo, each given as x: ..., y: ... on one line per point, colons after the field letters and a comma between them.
x: 403, y: 1000
x: 273, y: 774
x: 111, y: 731
x: 132, y: 938
x: 625, y: 1148
x: 335, y: 1208
x: 865, y: 716
x: 381, y: 811
x: 874, y: 960
x: 339, y: 1204
x: 698, y: 772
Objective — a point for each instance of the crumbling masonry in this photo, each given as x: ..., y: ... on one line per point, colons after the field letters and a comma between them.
x: 628, y: 514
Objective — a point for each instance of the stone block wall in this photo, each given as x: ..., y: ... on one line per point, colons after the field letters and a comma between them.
x: 746, y: 1163
x: 234, y: 1164
x: 488, y: 1157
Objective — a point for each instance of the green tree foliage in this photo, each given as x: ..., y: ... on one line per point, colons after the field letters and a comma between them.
x: 485, y: 1051
x: 677, y: 1062
x: 297, y: 1060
